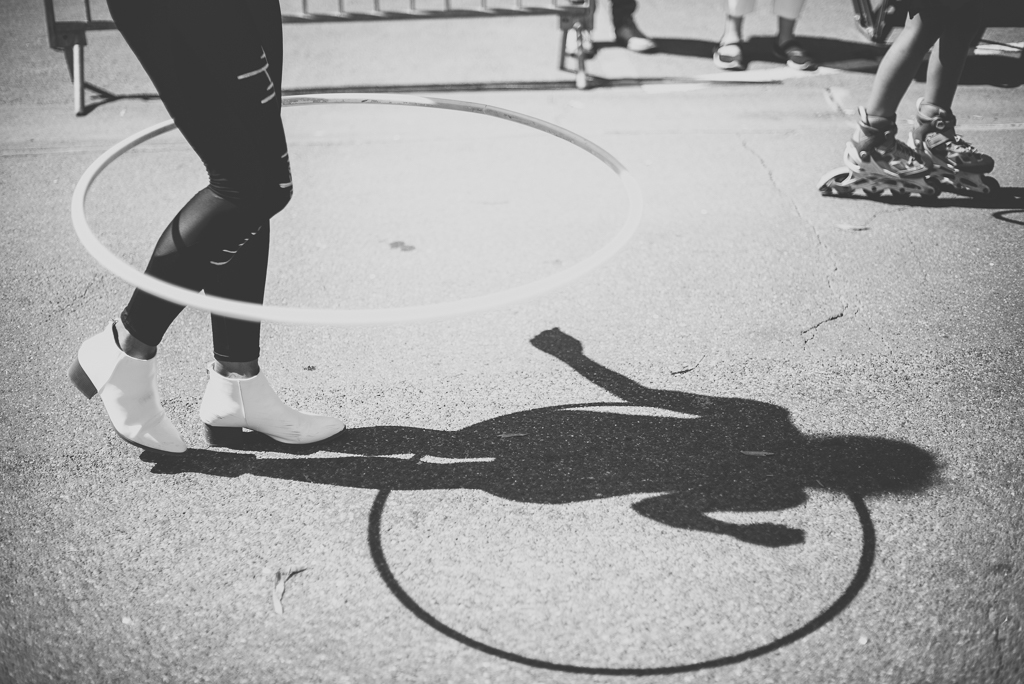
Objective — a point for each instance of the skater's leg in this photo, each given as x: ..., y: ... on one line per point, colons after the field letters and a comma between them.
x: 898, y: 66
x: 947, y: 61
x: 954, y: 160
x: 875, y: 159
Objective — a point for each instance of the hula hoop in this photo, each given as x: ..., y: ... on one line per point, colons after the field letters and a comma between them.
x: 310, y: 316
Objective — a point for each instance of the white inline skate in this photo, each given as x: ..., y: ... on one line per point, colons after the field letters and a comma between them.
x: 877, y: 162
x: 956, y: 164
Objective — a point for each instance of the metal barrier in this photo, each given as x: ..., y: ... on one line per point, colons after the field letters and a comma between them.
x: 69, y: 35
x: 876, y: 20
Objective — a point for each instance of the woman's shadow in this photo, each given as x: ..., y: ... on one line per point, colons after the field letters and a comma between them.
x: 695, y: 454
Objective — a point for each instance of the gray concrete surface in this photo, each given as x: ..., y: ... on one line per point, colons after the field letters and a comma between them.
x: 513, y: 512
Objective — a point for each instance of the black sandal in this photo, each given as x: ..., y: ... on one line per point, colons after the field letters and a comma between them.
x: 730, y: 60
x: 794, y: 56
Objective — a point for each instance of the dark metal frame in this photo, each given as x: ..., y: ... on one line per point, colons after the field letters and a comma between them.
x: 876, y: 23
x: 573, y: 15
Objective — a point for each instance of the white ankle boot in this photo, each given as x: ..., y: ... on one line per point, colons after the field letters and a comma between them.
x: 128, y: 389
x: 231, y: 404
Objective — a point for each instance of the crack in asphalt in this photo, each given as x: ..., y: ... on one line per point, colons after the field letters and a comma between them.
x: 998, y: 642
x: 80, y: 296
x: 832, y: 270
x: 915, y: 252
x: 890, y: 211
x: 999, y: 652
x: 834, y: 317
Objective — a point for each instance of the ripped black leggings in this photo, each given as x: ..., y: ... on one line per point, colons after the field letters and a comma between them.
x: 217, y: 67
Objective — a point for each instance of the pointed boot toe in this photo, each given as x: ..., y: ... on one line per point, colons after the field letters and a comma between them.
x: 233, y: 404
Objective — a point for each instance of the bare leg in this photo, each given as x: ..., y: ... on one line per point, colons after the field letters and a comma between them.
x: 901, y: 62
x: 237, y: 369
x: 733, y: 32
x: 786, y: 28
x: 132, y: 346
x: 947, y: 61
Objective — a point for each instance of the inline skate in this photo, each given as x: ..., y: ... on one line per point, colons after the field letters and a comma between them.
x: 876, y: 162
x: 956, y: 164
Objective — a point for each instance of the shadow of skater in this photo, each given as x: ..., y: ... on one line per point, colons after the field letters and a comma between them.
x: 708, y: 454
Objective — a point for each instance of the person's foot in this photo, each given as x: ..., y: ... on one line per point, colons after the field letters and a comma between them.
x: 794, y: 56
x: 233, y: 403
x: 127, y: 386
x: 730, y: 57
x: 632, y: 38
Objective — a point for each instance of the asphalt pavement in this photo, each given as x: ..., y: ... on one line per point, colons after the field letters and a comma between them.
x: 776, y: 439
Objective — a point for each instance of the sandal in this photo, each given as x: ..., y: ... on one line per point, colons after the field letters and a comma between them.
x: 794, y: 56
x: 730, y: 57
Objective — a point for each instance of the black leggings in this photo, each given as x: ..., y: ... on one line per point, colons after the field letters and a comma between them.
x: 622, y: 12
x: 217, y: 67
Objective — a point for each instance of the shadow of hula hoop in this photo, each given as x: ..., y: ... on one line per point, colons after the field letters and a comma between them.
x: 860, y: 578
x: 297, y: 316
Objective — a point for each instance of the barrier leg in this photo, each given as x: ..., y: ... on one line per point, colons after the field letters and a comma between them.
x: 561, y: 48
x: 78, y: 77
x: 581, y: 68
x: 578, y: 26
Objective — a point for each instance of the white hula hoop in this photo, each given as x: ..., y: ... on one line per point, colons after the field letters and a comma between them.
x: 308, y: 316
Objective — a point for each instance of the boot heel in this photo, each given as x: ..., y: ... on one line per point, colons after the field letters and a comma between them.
x: 80, y: 380
x: 223, y: 436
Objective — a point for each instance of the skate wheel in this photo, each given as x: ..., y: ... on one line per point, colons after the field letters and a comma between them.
x: 991, y: 184
x: 833, y: 183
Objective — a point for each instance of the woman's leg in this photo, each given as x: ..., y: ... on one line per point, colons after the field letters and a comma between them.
x: 622, y: 12
x: 729, y: 53
x: 626, y: 31
x: 214, y: 74
x: 786, y: 46
x: 217, y: 68
x: 735, y: 11
x: 236, y: 343
x: 787, y: 11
